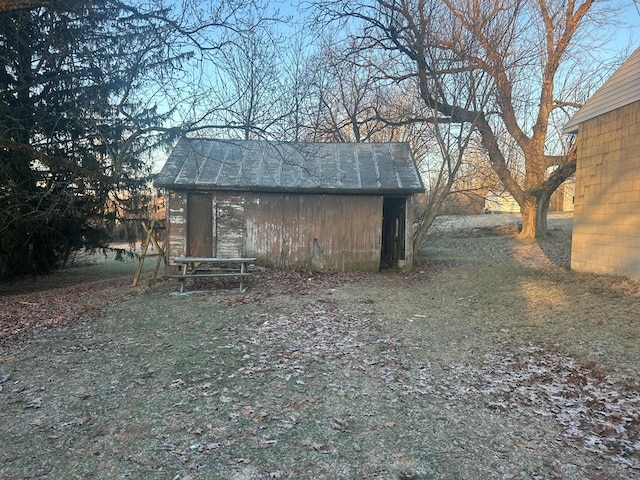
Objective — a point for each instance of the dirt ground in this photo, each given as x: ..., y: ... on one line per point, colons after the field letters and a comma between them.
x: 490, y: 360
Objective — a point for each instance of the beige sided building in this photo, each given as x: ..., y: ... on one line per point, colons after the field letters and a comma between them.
x: 606, y: 222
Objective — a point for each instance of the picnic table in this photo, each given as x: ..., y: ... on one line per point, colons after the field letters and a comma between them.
x: 205, y: 267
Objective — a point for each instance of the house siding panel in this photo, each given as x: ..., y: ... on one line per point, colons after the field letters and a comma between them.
x: 606, y: 232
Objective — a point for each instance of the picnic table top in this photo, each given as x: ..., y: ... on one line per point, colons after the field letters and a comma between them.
x: 212, y: 260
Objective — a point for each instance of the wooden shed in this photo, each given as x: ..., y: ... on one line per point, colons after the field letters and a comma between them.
x: 606, y: 222
x: 333, y: 206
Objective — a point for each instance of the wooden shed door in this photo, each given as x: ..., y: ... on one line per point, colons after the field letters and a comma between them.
x: 199, y: 225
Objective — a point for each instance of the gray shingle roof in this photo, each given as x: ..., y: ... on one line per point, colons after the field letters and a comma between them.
x: 259, y: 165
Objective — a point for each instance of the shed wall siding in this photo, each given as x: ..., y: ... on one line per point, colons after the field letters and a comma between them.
x: 333, y: 232
x: 228, y: 225
x: 176, y: 226
x: 606, y: 225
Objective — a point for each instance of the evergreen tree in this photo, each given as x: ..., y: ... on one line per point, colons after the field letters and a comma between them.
x: 74, y: 122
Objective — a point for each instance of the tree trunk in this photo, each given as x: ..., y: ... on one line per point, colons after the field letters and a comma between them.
x: 534, y: 215
x: 426, y: 223
x: 528, y: 212
x: 541, y: 216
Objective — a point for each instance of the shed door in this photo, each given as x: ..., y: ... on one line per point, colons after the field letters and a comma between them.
x: 393, y: 230
x: 199, y: 225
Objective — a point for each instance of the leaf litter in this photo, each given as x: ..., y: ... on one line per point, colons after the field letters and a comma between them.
x: 594, y: 411
x: 311, y: 376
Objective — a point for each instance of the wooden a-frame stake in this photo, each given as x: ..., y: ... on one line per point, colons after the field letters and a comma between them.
x: 152, y: 230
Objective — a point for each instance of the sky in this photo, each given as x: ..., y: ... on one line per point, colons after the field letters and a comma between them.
x: 628, y: 33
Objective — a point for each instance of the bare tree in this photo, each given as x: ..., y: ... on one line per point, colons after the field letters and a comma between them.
x: 516, y: 51
x: 248, y: 80
x: 451, y: 145
x: 351, y: 103
x: 347, y: 98
x: 297, y: 77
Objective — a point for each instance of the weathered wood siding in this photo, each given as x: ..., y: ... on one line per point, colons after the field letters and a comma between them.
x: 176, y: 225
x: 265, y: 228
x: 297, y: 231
x: 333, y: 232
x: 606, y: 223
x: 219, y: 234
x: 228, y: 225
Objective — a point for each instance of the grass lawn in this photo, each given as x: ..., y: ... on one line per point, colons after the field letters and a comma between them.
x: 490, y: 360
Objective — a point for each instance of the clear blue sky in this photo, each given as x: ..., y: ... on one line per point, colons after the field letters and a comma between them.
x: 628, y: 34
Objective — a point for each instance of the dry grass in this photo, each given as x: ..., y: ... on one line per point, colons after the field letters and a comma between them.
x: 492, y: 360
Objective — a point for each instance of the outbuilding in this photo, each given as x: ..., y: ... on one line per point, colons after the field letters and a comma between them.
x: 606, y: 222
x: 330, y: 206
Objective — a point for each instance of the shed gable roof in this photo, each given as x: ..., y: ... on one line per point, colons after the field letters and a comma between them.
x: 261, y: 165
x: 622, y: 88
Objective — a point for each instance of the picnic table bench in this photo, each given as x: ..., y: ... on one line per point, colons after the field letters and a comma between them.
x: 205, y: 267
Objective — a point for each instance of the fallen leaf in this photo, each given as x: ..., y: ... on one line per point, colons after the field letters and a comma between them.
x: 406, y: 475
x: 247, y: 410
x: 35, y: 403
x: 82, y: 421
x: 340, y: 424
x: 318, y: 447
